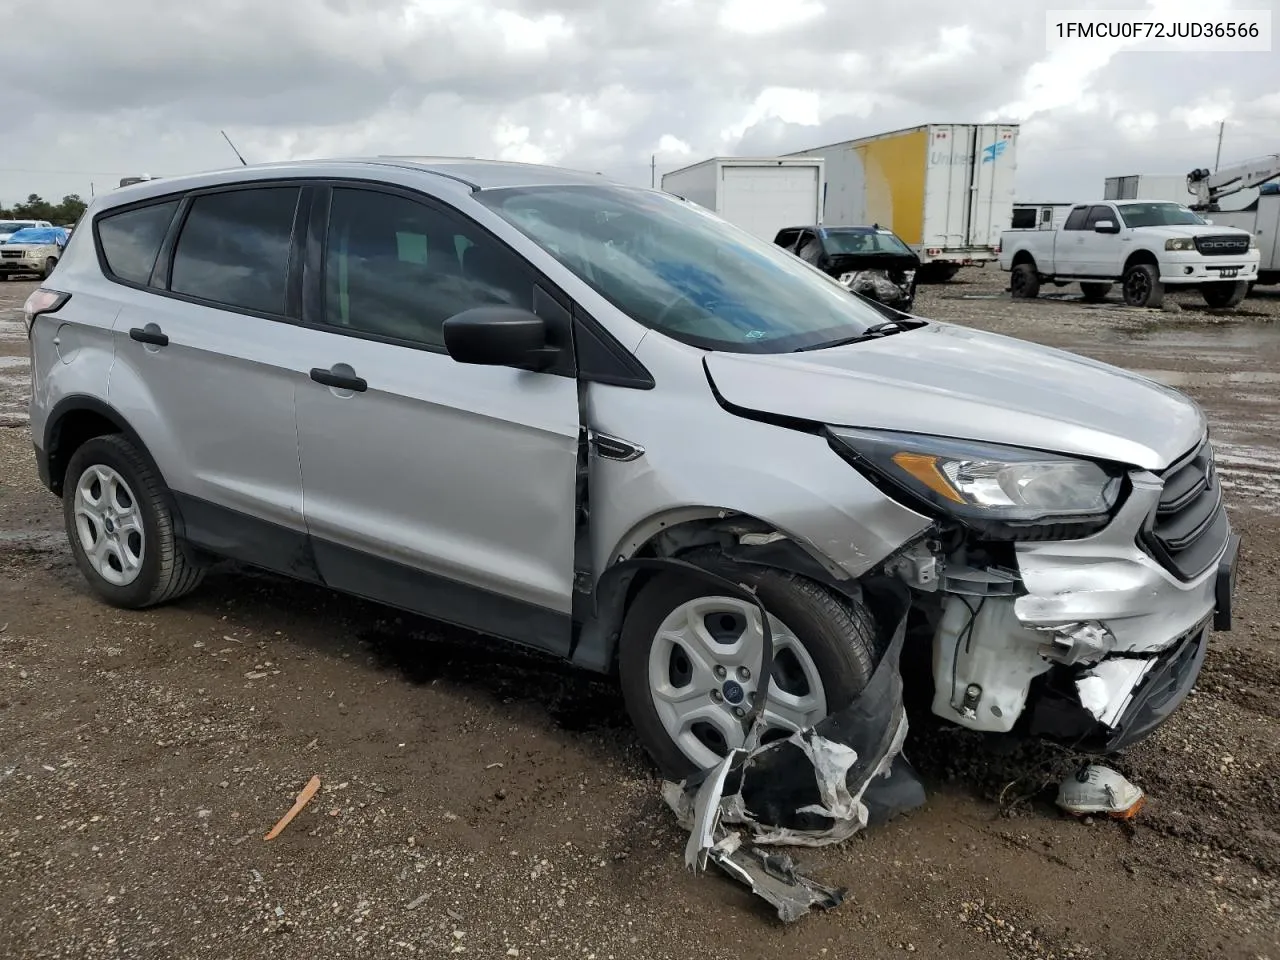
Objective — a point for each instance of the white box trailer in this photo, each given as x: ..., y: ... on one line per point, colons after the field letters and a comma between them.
x: 1028, y: 215
x: 945, y: 188
x: 761, y: 195
x: 1148, y: 186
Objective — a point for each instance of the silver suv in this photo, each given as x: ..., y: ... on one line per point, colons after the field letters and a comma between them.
x: 555, y: 409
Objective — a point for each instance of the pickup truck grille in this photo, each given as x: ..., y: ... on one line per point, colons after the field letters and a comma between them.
x: 1188, y: 529
x: 1222, y: 246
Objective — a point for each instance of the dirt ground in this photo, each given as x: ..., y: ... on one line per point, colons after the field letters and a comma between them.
x: 481, y: 801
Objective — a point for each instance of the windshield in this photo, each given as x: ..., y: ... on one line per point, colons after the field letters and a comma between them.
x: 863, y: 240
x: 10, y: 226
x: 37, y: 235
x: 1157, y: 215
x: 674, y: 267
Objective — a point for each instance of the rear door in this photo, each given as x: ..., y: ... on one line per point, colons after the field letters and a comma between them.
x: 205, y: 363
x: 439, y: 487
x: 1069, y: 244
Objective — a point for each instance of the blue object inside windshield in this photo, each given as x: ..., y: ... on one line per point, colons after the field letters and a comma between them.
x: 39, y: 235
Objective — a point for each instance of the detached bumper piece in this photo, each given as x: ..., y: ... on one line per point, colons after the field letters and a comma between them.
x: 819, y: 786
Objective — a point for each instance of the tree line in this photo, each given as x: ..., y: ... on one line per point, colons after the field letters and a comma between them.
x: 35, y: 207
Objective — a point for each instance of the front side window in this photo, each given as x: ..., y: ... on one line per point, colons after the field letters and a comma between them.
x: 678, y: 269
x: 234, y: 248
x: 810, y: 248
x: 1097, y: 214
x: 1158, y: 215
x: 397, y: 268
x: 131, y: 240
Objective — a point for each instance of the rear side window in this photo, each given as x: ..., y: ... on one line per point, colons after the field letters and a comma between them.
x: 131, y: 240
x: 234, y: 248
x: 1077, y: 218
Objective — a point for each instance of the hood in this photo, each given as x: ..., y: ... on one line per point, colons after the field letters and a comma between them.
x: 838, y: 263
x: 25, y: 246
x: 957, y: 382
x: 1194, y: 230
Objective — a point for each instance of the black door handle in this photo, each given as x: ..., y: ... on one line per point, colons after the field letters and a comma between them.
x: 342, y: 381
x: 150, y: 334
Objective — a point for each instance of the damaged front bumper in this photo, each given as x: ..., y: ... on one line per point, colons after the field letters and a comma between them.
x: 1093, y: 642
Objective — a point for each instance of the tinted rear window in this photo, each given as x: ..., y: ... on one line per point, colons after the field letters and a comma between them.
x: 131, y: 240
x: 234, y: 248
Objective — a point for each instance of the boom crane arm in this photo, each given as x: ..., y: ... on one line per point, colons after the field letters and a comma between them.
x: 1209, y: 188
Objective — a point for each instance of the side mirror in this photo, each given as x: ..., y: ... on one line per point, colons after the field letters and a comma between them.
x: 499, y: 337
x: 1106, y: 226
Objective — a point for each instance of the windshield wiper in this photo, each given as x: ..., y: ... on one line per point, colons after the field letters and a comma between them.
x: 873, y: 332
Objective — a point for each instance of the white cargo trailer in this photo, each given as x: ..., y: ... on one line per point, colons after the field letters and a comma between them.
x: 1171, y: 187
x: 762, y: 195
x: 944, y: 188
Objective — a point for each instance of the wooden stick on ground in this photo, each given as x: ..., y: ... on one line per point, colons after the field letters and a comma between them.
x: 304, y: 798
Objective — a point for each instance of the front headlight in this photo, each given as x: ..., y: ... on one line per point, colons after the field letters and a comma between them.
x: 1180, y: 243
x: 1009, y: 487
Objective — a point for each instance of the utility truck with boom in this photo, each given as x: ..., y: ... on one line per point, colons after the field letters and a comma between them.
x: 1260, y: 218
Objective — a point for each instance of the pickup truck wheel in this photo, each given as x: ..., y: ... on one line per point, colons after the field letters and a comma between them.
x: 1024, y: 282
x: 1095, y: 292
x: 1142, y: 286
x: 1221, y: 295
x: 688, y: 657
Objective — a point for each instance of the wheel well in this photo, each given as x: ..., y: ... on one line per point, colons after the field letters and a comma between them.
x: 1022, y: 257
x: 619, y: 585
x: 1141, y: 256
x: 68, y: 434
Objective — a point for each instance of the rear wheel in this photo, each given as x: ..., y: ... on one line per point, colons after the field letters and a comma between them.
x: 689, y: 655
x: 118, y: 520
x: 1024, y: 282
x: 1095, y: 292
x: 1142, y: 286
x: 1220, y: 295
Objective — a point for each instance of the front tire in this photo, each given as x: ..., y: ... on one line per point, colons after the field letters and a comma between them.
x: 118, y: 519
x: 688, y: 655
x: 1142, y: 286
x: 1024, y: 282
x: 1223, y: 295
x: 48, y: 267
x: 1095, y: 292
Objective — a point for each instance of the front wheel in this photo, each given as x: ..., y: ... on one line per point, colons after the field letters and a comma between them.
x: 48, y: 267
x: 688, y: 659
x: 1221, y: 295
x: 1142, y: 286
x: 120, y: 526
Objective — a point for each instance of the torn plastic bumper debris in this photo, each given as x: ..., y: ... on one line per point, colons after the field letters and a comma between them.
x: 818, y: 786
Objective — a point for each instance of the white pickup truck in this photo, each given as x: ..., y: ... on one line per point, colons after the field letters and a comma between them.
x: 1147, y: 245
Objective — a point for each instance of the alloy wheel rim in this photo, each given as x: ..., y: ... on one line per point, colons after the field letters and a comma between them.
x: 108, y: 525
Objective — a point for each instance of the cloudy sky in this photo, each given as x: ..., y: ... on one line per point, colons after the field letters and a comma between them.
x: 143, y: 86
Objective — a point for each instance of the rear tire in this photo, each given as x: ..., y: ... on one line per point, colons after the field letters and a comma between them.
x: 120, y: 524
x: 1223, y: 295
x: 838, y: 637
x: 1095, y: 292
x: 1024, y: 282
x: 1142, y: 286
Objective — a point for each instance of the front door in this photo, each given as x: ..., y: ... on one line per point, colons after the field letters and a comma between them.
x: 436, y: 486
x: 1102, y: 255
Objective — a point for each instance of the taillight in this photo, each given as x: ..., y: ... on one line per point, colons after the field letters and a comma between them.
x: 43, y: 301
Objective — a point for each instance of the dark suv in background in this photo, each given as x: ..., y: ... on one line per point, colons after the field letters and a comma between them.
x: 871, y: 261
